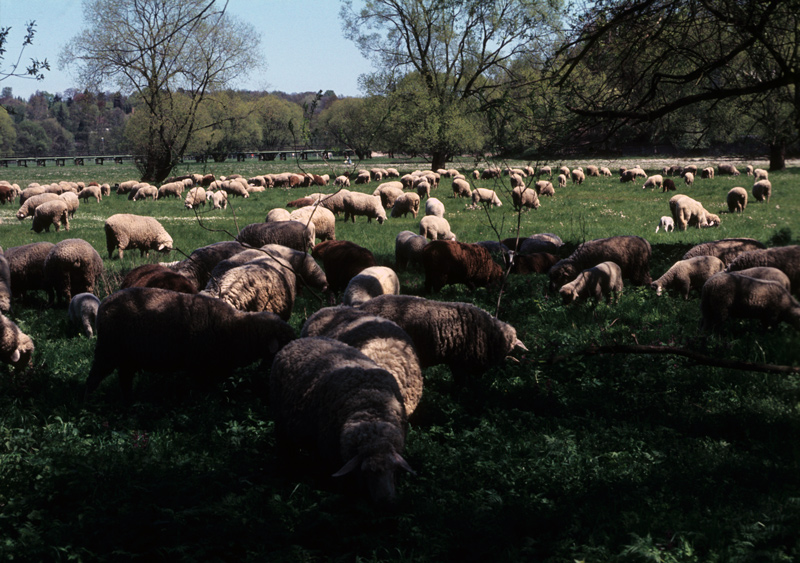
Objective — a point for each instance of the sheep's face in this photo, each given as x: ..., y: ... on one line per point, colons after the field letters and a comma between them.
x: 568, y: 294
x: 657, y: 287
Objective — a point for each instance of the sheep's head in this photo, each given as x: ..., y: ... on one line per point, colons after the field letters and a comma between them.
x: 657, y: 287
x: 378, y: 470
x: 568, y: 294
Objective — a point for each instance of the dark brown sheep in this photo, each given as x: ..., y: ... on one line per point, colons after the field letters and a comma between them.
x: 536, y: 263
x: 156, y: 275
x: 668, y: 185
x: 7, y: 194
x: 198, y: 266
x: 726, y: 249
x: 630, y: 253
x: 450, y: 262
x: 288, y: 233
x: 302, y: 202
x: 342, y: 260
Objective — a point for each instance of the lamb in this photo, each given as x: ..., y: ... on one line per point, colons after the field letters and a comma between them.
x: 688, y: 274
x: 198, y: 266
x: 389, y: 192
x: 630, y: 253
x: 219, y: 200
x: 195, y: 197
x: 435, y: 207
x: 54, y: 212
x: 82, y: 313
x: 759, y: 174
x: 408, y: 249
x: 26, y: 268
x: 71, y: 266
x: 293, y: 234
x: 655, y: 181
x: 356, y: 203
x: 688, y: 177
x: 343, y: 181
x: 195, y: 333
x: 380, y: 339
x: 724, y: 249
x: 461, y: 188
x: 578, y: 176
x: 405, y: 204
x: 737, y: 200
x: 124, y: 231
x: 728, y: 169
x: 16, y: 347
x: 331, y: 399
x: 371, y: 282
x: 465, y: 338
x: 731, y: 295
x: 605, y: 171
x: 668, y: 185
x: 687, y: 211
x: 562, y: 181
x: 666, y: 223
x: 256, y: 286
x: 524, y: 197
x: 605, y: 279
x: 323, y: 219
x: 435, y: 228
x: 785, y: 258
x: 157, y: 275
x: 482, y: 195
x: 28, y: 208
x: 91, y: 191
x: 342, y: 260
x: 762, y: 190
x: 450, y: 262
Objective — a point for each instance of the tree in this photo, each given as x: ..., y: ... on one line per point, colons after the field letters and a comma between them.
x: 8, y: 135
x: 356, y: 123
x: 231, y: 126
x: 461, y: 50
x: 278, y: 118
x: 648, y: 58
x: 171, y: 54
x: 32, y: 139
x: 35, y: 69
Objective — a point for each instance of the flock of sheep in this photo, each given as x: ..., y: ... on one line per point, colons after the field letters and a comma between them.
x: 346, y: 386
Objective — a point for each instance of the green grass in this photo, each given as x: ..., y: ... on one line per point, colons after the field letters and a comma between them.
x: 557, y: 457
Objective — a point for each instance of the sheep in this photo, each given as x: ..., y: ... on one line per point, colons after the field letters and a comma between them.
x: 461, y: 188
x: 785, y: 258
x: 195, y: 197
x: 28, y: 208
x: 626, y: 176
x: 323, y: 219
x: 578, y: 176
x: 332, y: 399
x: 342, y: 180
x: 389, y: 192
x: 707, y: 173
x: 462, y: 336
x: 540, y: 242
x: 256, y: 286
x: 371, y: 282
x: 7, y: 194
x: 408, y: 249
x: 592, y: 170
x: 318, y: 180
x: 728, y: 169
x: 278, y: 214
x: 435, y: 228
x: 654, y: 181
x: 380, y: 339
x: 219, y: 200
x: 16, y: 347
x: 235, y: 188
x: 543, y: 187
x: 405, y: 204
x: 434, y: 206
x: 516, y: 180
x: 71, y: 266
x: 54, y: 212
x: 293, y: 234
x: 72, y: 201
x: 562, y: 181
x: 363, y: 177
x: 545, y: 170
x: 423, y: 187
x: 524, y: 197
x: 630, y: 253
x: 688, y: 177
x: 91, y: 191
x: 749, y: 169
x: 449, y: 262
x: 26, y: 266
x: 762, y: 190
x: 565, y: 171
x: 376, y: 174
x: 687, y: 211
x: 489, y: 173
x: 731, y: 295
x: 605, y: 279
x: 685, y: 275
x: 342, y: 260
x: 482, y: 195
x: 124, y: 231
x: 5, y: 283
x: 667, y: 223
x: 356, y: 203
x: 737, y: 200
x: 334, y: 202
x: 171, y: 189
x: 535, y: 263
x: 301, y: 202
x: 768, y: 273
x: 497, y: 250
x: 198, y: 266
x: 605, y: 171
x: 157, y: 275
x: 82, y: 313
x: 759, y: 174
x: 29, y: 192
x: 724, y: 249
x: 182, y: 325
x: 668, y: 185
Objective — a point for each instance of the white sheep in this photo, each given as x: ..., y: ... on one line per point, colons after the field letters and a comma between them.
x: 171, y: 189
x: 688, y: 177
x: 545, y: 170
x: 259, y: 285
x: 342, y: 180
x: 195, y: 197
x: 760, y: 174
x: 28, y: 207
x: 435, y: 228
x: 483, y: 195
x: 219, y: 199
x: 405, y: 204
x: 736, y: 200
x: 82, y: 312
x: 356, y: 203
x: 369, y: 283
x: 16, y: 347
x: 544, y: 188
x: 687, y: 211
x: 654, y: 181
x: 434, y: 206
x: 124, y: 231
x: 666, y: 223
x: 323, y: 219
x: 578, y: 176
x: 605, y: 279
x: 685, y: 275
x: 293, y: 234
x: 762, y: 190
x: 524, y: 197
x: 278, y: 214
x: 91, y: 191
x: 562, y: 181
x: 54, y: 213
x: 408, y: 248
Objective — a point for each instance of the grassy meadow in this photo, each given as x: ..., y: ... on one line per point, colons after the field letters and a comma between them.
x: 559, y: 456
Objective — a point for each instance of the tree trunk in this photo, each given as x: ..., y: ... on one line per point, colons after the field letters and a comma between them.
x: 438, y: 160
x: 777, y: 155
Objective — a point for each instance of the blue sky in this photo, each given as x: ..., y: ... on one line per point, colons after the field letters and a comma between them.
x: 301, y: 40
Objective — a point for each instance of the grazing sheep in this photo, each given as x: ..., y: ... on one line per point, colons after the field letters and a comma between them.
x: 435, y: 228
x: 380, y: 339
x: 91, y: 191
x: 28, y: 208
x: 157, y: 275
x: 578, y: 176
x: 543, y: 187
x: 465, y: 338
x: 655, y: 181
x: 762, y: 190
x: 343, y: 181
x: 195, y: 333
x: 687, y: 212
x: 482, y: 195
x: 707, y: 173
x: 371, y: 282
x: 195, y: 197
x: 489, y: 173
x: 605, y: 279
x: 461, y: 188
x: 759, y: 174
x: 423, y: 187
x: 737, y: 200
x: 144, y: 193
x: 331, y: 399
x: 728, y: 169
x: 785, y: 258
x: 16, y: 347
x: 323, y: 219
x: 449, y: 262
x: 592, y: 170
x: 732, y: 295
x: 389, y: 192
x: 516, y: 181
x: 408, y: 249
x: 535, y: 263
x: 768, y: 273
x: 278, y: 214
x: 301, y: 202
x: 293, y: 234
x: 685, y: 275
x: 333, y: 202
x: 72, y: 201
x: 219, y: 200
x: 405, y: 204
x: 666, y: 223
x: 124, y: 231
x: 688, y: 177
x: 256, y: 286
x: 363, y: 177
x: 545, y: 170
x: 435, y: 207
x: 668, y: 185
x: 523, y: 197
x: 342, y: 260
x: 356, y: 203
x: 5, y: 283
x: 630, y: 253
x: 82, y: 313
x: 54, y: 212
x: 392, y: 173
x: 198, y: 266
x: 26, y: 267
x: 540, y: 242
x: 71, y: 266
x: 171, y: 189
x: 724, y: 249
x: 749, y: 169
x: 627, y: 176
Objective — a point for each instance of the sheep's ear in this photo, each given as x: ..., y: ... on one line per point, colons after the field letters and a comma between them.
x: 348, y: 467
x: 15, y: 356
x: 398, y: 459
x: 518, y: 344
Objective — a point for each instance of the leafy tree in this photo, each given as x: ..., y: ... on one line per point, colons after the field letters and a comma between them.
x: 62, y: 141
x: 277, y: 118
x: 36, y: 68
x: 230, y: 127
x: 461, y: 51
x: 357, y: 124
x: 32, y: 139
x: 171, y: 53
x: 8, y: 134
